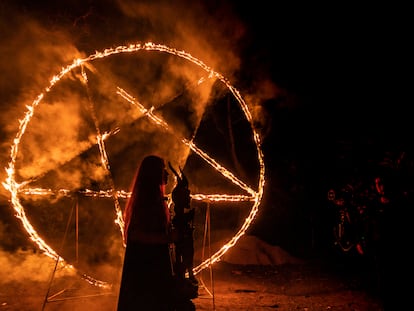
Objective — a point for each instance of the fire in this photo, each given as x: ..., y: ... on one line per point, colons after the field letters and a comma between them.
x: 16, y: 189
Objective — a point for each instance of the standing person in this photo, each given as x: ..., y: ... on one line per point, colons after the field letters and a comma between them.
x: 183, y: 224
x: 147, y: 278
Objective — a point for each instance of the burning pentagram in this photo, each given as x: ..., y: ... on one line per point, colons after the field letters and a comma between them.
x: 94, y: 122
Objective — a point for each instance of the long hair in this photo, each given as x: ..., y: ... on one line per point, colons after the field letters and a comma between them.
x: 146, y: 209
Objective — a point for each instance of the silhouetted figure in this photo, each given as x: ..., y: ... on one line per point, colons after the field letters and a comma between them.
x: 187, y: 288
x: 147, y: 276
x: 183, y: 223
x: 395, y: 182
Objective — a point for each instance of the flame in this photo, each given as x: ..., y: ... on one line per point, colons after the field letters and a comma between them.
x: 17, y: 189
x: 122, y: 194
x: 104, y: 156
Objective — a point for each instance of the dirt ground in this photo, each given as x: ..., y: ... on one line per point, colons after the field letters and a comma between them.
x: 287, y: 287
x: 224, y: 287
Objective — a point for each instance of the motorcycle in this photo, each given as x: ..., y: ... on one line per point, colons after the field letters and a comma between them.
x: 357, y: 209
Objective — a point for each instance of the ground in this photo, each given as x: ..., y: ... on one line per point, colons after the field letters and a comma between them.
x: 307, y: 286
x: 287, y: 287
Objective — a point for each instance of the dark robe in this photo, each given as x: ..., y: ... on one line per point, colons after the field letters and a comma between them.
x: 146, y: 278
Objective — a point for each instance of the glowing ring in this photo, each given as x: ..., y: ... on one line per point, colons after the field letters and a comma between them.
x: 13, y: 187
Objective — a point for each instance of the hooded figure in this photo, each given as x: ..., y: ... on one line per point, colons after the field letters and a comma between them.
x: 147, y: 276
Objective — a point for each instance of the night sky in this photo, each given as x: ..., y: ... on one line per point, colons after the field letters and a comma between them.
x: 328, y: 84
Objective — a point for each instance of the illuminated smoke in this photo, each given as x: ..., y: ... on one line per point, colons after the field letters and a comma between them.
x: 23, y: 266
x: 13, y: 186
x: 38, y: 156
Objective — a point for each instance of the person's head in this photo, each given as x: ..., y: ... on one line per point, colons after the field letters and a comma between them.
x: 152, y: 172
x: 147, y: 193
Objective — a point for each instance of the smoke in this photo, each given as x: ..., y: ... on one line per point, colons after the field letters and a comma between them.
x: 31, y: 53
x: 59, y: 147
x: 23, y: 266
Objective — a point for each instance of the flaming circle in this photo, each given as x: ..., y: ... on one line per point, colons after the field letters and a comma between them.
x: 80, y: 85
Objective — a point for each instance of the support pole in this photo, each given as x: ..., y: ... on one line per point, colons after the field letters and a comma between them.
x: 53, y: 298
x: 58, y: 257
x: 207, y: 239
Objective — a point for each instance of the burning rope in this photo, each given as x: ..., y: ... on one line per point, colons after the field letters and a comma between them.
x: 17, y: 189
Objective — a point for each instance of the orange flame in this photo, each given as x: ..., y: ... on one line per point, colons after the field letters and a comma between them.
x: 17, y: 189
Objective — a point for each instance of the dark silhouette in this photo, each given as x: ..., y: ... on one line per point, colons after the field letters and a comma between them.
x: 186, y: 288
x: 183, y: 223
x: 147, y: 278
x: 375, y: 206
